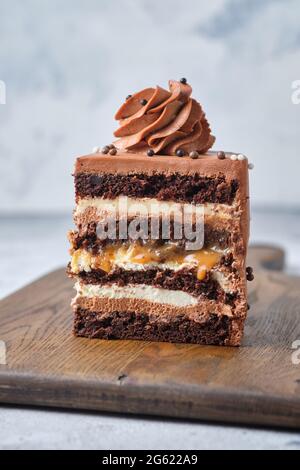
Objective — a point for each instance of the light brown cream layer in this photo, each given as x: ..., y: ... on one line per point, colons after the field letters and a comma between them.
x: 218, y: 216
x: 221, y: 220
x: 137, y: 291
x: 151, y: 207
x: 163, y: 311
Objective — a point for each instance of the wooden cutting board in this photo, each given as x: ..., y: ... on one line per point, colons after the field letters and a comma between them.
x: 256, y: 383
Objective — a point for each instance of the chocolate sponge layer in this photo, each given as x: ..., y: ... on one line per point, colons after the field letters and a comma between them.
x: 176, y: 187
x: 214, y: 330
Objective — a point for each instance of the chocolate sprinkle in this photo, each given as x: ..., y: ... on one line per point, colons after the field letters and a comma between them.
x: 194, y: 155
x: 105, y: 150
x: 128, y: 96
x: 249, y: 273
x: 180, y: 153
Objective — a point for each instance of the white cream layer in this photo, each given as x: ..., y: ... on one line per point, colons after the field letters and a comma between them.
x: 139, y: 292
x: 151, y: 207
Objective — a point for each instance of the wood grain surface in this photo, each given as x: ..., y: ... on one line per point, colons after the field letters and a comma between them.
x: 255, y: 384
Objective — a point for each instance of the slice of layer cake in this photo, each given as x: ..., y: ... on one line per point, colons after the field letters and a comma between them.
x: 162, y: 228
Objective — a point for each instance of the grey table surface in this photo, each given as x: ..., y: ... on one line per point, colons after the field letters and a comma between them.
x: 33, y: 245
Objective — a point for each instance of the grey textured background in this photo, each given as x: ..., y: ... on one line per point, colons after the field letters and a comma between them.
x: 68, y: 65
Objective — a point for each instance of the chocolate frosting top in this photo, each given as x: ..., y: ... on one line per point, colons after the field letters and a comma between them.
x: 164, y: 121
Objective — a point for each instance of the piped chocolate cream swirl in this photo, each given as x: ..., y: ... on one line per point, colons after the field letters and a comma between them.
x: 164, y: 121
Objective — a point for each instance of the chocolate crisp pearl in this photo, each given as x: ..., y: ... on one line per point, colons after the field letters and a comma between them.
x: 105, y: 149
x: 128, y: 96
x: 113, y: 151
x: 150, y: 153
x: 179, y: 153
x: 249, y: 273
x: 221, y: 155
x: 194, y: 155
x: 143, y: 102
x: 183, y: 81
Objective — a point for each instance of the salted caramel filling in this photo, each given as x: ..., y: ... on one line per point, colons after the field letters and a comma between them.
x: 133, y: 255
